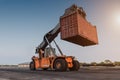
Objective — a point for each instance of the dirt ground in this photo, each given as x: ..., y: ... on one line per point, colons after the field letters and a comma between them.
x: 82, y: 74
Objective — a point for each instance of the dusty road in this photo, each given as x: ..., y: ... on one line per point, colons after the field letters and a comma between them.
x: 82, y: 74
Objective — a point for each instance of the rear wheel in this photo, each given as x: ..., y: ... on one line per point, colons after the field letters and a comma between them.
x: 76, y: 66
x: 32, y: 66
x: 60, y: 65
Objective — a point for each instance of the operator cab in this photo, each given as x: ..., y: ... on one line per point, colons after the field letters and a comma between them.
x: 49, y: 52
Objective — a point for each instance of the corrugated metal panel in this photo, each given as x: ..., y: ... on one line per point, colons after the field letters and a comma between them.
x: 75, y: 29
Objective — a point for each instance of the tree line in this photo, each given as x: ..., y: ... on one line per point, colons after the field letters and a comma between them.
x: 103, y: 63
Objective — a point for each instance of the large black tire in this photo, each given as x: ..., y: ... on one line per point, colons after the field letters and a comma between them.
x: 32, y: 66
x: 76, y: 66
x: 60, y: 65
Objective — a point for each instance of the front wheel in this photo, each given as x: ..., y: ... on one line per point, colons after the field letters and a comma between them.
x: 32, y: 66
x: 60, y: 65
x: 76, y: 66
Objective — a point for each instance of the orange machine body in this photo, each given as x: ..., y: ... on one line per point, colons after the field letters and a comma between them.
x: 48, y: 62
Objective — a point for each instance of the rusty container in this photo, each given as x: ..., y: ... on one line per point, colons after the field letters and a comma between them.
x: 76, y: 29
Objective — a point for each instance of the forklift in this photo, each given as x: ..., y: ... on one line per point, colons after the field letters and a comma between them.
x: 48, y: 59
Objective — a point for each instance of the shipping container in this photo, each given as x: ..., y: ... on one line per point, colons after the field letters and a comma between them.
x: 76, y: 29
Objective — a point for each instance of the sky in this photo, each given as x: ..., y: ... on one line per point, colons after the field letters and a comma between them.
x: 23, y: 23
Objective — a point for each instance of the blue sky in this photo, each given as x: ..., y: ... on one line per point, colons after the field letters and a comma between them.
x: 23, y: 24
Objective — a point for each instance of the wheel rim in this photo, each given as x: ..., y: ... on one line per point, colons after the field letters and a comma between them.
x: 58, y: 65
